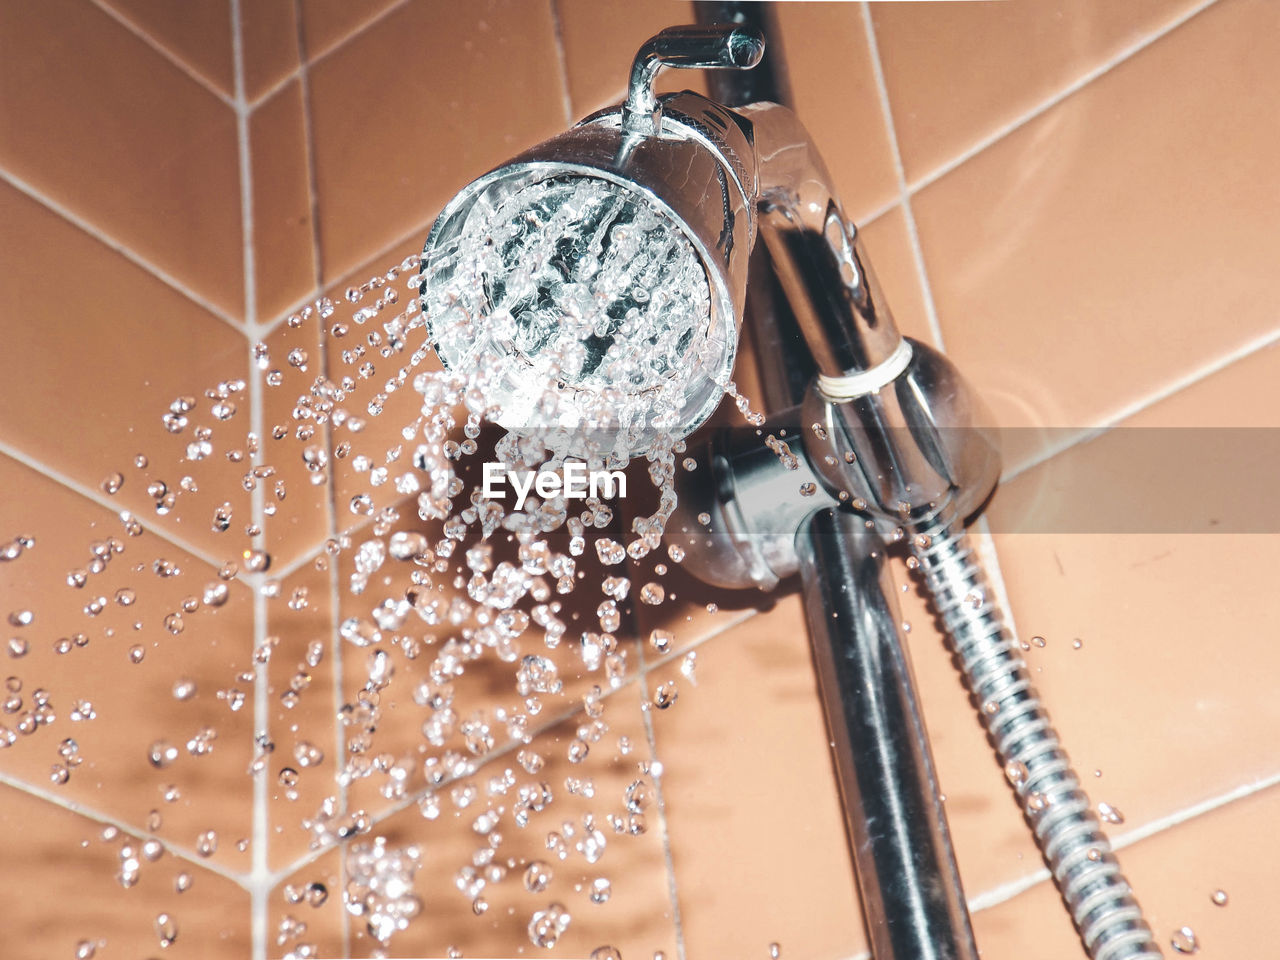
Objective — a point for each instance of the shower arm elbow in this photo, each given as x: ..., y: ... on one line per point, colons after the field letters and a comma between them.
x: 816, y: 251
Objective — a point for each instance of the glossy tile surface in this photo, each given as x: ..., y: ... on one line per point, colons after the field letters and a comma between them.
x: 120, y: 665
x: 378, y: 126
x: 328, y: 22
x: 757, y: 852
x: 197, y: 33
x: 66, y: 860
x: 947, y: 96
x: 284, y: 267
x: 1088, y: 234
x: 269, y: 31
x: 161, y: 179
x: 92, y: 372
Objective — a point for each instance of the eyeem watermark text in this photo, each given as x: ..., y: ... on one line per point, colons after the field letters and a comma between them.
x: 574, y: 482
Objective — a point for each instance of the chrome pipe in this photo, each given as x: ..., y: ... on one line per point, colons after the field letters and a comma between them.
x: 906, y: 867
x: 815, y: 249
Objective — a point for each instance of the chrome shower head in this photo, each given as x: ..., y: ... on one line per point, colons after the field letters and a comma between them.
x: 596, y: 282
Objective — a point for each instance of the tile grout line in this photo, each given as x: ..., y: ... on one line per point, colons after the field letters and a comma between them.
x: 292, y: 75
x: 562, y: 61
x: 337, y: 677
x: 1005, y: 892
x: 363, y: 28
x: 1170, y: 389
x: 88, y: 493
x: 259, y: 876
x: 164, y: 51
x: 309, y: 145
x: 904, y: 195
x: 266, y: 329
x: 668, y: 859
x: 34, y: 193
x: 98, y: 816
x: 1053, y: 100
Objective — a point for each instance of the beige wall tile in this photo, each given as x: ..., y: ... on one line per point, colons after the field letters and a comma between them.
x: 757, y: 833
x: 92, y: 370
x: 133, y: 701
x: 1092, y: 257
x: 285, y: 271
x: 65, y: 860
x: 329, y: 22
x: 101, y: 123
x: 599, y: 46
x: 197, y: 32
x: 270, y: 37
x: 958, y: 73
x: 394, y: 141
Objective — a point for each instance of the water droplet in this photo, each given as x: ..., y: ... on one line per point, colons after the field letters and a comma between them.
x: 215, y: 594
x: 112, y: 483
x: 652, y: 594
x: 166, y: 929
x: 184, y: 688
x: 665, y: 695
x: 537, y: 876
x: 547, y: 925
x: 1015, y: 772
x: 1184, y: 941
x: 600, y: 890
x: 308, y: 754
x: 1219, y: 898
x: 689, y: 667
x: 1110, y: 814
x: 605, y: 952
x: 182, y: 882
x: 207, y: 843
x: 162, y: 753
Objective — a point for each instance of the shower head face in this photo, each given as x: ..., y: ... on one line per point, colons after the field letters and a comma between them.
x: 582, y: 307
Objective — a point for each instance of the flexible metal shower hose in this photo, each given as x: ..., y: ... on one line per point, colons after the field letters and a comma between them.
x: 1068, y: 833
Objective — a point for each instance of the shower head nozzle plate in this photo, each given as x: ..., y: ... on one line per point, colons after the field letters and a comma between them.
x: 581, y: 306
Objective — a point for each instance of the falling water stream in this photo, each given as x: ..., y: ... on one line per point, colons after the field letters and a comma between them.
x: 605, y: 303
x: 596, y: 307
